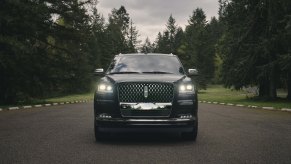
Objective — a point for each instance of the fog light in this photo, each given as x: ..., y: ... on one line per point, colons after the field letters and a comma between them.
x: 186, y: 116
x: 104, y: 115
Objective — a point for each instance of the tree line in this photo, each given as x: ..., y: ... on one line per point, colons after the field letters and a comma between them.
x: 255, y: 45
x: 195, y: 45
x: 248, y: 45
x: 50, y: 48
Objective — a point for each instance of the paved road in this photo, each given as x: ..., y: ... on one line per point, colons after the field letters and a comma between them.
x: 64, y: 134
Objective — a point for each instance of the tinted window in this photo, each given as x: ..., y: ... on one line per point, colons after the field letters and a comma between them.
x: 146, y: 64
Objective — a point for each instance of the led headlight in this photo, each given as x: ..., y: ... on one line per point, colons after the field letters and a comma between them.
x: 186, y: 88
x: 104, y: 88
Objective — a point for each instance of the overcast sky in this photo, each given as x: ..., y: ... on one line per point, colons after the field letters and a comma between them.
x: 150, y: 16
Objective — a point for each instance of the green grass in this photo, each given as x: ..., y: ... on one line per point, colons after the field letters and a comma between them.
x: 216, y: 93
x: 67, y: 98
x: 84, y: 96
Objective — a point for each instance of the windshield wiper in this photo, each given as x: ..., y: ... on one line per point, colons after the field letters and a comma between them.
x: 158, y: 72
x: 123, y: 72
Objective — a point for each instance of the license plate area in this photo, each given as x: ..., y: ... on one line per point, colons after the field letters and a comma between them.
x: 145, y: 106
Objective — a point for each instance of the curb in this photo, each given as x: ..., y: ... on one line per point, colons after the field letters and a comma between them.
x: 42, y: 105
x: 27, y: 107
x: 13, y: 108
x: 247, y: 106
x: 286, y: 109
x: 268, y: 108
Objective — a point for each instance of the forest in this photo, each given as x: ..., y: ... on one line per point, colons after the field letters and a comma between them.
x: 51, y: 48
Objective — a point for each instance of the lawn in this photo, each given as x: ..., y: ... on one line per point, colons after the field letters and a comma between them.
x: 59, y: 99
x: 217, y: 93
x: 68, y: 98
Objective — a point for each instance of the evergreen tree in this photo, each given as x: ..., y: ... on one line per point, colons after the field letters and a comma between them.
x: 34, y: 51
x: 132, y: 38
x: 117, y: 31
x: 147, y: 47
x: 251, y: 53
x: 97, y: 41
x: 165, y: 42
x: 158, y: 43
x: 197, y: 47
x: 171, y: 30
x: 180, y: 47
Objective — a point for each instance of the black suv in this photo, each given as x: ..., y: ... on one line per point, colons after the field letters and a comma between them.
x: 141, y: 92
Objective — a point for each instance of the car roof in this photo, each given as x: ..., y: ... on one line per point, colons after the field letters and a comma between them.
x: 150, y: 54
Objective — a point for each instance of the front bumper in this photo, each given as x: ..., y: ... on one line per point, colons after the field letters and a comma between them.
x: 142, y: 125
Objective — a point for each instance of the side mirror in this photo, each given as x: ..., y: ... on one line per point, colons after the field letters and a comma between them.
x: 192, y: 72
x: 99, y: 72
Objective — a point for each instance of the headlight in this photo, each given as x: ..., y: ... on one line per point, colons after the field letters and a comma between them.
x: 186, y: 88
x: 104, y: 88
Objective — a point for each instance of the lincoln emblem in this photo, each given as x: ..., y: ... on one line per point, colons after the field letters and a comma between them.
x: 146, y: 91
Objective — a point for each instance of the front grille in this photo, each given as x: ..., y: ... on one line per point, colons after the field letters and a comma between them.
x: 135, y: 92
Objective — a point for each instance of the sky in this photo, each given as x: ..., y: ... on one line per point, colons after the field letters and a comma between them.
x: 150, y: 16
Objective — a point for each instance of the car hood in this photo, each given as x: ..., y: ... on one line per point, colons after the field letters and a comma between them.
x: 172, y: 78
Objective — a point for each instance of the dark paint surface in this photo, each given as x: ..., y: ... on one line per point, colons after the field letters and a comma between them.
x: 147, y: 77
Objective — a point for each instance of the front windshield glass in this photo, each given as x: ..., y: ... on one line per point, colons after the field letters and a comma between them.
x: 156, y: 64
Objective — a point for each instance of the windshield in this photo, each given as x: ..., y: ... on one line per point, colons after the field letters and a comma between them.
x: 155, y: 64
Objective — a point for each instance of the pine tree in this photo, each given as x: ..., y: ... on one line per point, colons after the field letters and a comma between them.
x: 165, y: 42
x: 252, y: 52
x: 133, y: 41
x: 197, y: 47
x: 147, y: 47
x: 171, y: 32
x: 40, y: 52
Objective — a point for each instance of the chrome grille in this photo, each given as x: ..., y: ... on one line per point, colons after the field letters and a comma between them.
x: 135, y: 92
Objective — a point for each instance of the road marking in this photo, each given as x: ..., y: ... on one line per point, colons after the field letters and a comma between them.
x: 37, y: 106
x: 47, y: 104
